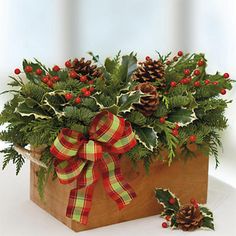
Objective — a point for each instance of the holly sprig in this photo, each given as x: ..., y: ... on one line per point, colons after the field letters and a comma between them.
x: 171, y: 206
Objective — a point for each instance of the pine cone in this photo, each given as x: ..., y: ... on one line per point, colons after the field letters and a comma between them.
x: 149, y: 103
x: 189, y: 217
x: 150, y: 71
x: 83, y: 67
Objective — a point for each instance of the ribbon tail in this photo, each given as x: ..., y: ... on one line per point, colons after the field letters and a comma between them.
x: 114, y: 183
x: 80, y: 200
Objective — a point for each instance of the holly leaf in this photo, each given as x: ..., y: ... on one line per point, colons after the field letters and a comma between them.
x: 163, y: 196
x: 206, y: 212
x: 182, y: 116
x: 36, y: 111
x: 208, y: 223
x: 146, y: 136
x: 126, y: 101
x: 128, y: 66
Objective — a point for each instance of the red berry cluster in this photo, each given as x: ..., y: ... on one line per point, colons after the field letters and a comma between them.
x: 86, y: 92
x: 50, y: 80
x: 175, y: 130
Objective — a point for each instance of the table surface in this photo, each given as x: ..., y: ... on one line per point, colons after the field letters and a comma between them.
x: 19, y: 216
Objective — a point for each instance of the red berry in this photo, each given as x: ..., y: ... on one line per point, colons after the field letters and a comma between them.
x: 180, y: 53
x: 197, y: 72
x: 148, y: 58
x: 50, y: 84
x: 83, y: 78
x: 196, y: 205
x: 172, y: 201
x: 56, y: 68
x: 192, y: 138
x: 193, y: 201
x: 215, y: 83
x: 175, y: 132
x: 168, y: 62
x: 164, y: 225
x: 189, y: 79
x: 83, y: 90
x: 177, y: 126
x: 55, y: 78
x: 45, y: 79
x: 73, y: 74
x: 168, y: 218
x: 173, y: 84
x: 77, y: 100
x: 187, y: 71
x: 223, y: 91
x: 184, y: 81
x: 17, y: 71
x: 175, y: 58
x: 162, y: 120
x: 197, y: 84
x: 75, y: 61
x: 91, y: 82
x: 38, y: 71
x: 68, y: 96
x: 68, y: 64
x: 200, y: 63
x: 207, y: 81
x: 87, y: 93
x: 226, y: 75
x: 28, y: 69
x: 91, y: 89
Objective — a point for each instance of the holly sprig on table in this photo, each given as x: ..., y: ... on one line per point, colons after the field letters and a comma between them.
x: 187, y: 217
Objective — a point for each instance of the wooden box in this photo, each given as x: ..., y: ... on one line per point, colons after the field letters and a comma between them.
x: 187, y: 179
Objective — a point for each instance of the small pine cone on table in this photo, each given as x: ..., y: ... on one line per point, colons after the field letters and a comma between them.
x: 189, y: 217
x: 150, y: 71
x: 148, y: 104
x: 85, y: 67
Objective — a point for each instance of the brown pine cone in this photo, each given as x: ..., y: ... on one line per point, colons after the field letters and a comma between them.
x: 150, y: 71
x: 85, y: 67
x: 189, y: 217
x: 149, y: 103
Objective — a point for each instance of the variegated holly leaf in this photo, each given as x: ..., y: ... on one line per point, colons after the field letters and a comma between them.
x: 146, y: 136
x: 27, y: 110
x: 182, y: 116
x: 125, y: 101
x: 163, y: 196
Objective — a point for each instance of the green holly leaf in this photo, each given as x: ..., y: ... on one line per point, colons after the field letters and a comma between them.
x: 208, y: 223
x: 182, y: 116
x: 146, y: 136
x: 163, y: 197
x: 126, y: 101
x: 128, y: 66
x: 206, y: 212
x: 24, y: 110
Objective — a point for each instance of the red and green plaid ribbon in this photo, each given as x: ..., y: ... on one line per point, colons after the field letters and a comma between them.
x: 80, y: 159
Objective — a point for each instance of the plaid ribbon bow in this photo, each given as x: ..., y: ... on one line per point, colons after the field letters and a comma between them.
x: 79, y: 158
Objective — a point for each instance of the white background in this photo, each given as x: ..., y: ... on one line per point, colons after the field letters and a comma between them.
x: 55, y: 30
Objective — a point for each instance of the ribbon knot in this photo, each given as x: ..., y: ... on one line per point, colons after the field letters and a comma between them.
x: 80, y: 158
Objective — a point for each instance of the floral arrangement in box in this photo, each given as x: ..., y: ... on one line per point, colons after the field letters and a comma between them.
x: 89, y: 114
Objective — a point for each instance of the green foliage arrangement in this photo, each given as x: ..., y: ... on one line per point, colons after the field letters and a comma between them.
x: 186, y: 106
